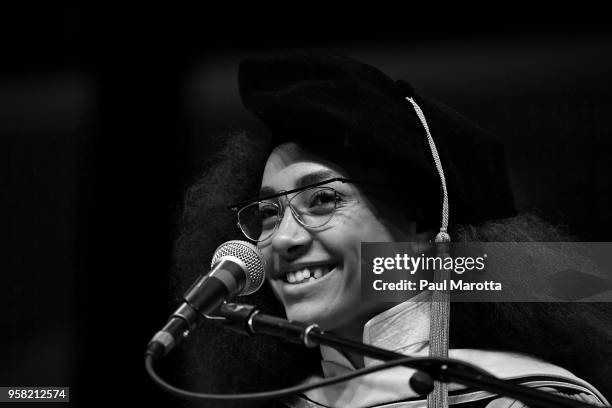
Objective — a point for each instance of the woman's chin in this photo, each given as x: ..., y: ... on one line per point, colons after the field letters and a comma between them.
x: 298, y: 314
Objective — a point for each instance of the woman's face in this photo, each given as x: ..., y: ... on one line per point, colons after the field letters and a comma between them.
x: 330, y: 253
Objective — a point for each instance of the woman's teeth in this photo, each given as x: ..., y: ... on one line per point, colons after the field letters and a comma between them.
x: 307, y: 274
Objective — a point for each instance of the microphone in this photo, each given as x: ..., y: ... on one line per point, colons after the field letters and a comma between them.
x: 237, y: 268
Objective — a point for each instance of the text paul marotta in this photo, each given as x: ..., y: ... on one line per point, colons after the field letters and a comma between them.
x: 412, y: 264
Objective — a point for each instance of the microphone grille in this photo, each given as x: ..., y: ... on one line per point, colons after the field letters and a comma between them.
x: 250, y: 256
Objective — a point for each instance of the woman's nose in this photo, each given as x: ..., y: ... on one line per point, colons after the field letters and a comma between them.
x: 291, y: 239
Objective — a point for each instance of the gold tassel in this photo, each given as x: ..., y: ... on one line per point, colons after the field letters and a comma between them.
x: 440, y: 301
x: 439, y: 325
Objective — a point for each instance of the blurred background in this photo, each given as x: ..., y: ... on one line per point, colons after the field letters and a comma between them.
x: 107, y: 115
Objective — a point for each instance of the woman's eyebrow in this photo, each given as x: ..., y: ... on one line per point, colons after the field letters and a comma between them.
x: 304, y: 180
x: 315, y: 177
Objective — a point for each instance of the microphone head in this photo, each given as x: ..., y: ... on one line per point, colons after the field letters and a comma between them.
x: 252, y: 259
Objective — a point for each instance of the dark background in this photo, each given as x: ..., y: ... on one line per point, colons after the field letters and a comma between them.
x: 106, y: 115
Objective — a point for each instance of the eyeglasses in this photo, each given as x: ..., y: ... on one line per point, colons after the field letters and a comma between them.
x: 313, y: 206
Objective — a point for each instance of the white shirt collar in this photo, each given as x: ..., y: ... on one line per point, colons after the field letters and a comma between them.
x: 403, y: 328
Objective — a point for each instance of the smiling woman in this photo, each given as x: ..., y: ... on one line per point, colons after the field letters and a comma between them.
x: 357, y: 157
x: 330, y: 250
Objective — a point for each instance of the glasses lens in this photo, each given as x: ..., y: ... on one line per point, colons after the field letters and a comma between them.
x: 258, y: 220
x: 315, y: 206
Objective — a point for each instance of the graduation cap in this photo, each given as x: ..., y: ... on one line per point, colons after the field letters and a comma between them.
x: 335, y: 105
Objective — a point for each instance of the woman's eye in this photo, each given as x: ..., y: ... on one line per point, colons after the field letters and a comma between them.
x: 325, y: 199
x: 267, y: 213
x: 268, y: 216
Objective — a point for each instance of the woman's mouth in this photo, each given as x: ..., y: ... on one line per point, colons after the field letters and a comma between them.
x: 307, y: 274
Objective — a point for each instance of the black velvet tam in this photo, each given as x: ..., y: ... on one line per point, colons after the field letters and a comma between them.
x: 339, y: 107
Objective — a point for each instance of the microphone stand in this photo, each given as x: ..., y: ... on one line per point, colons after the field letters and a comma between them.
x: 247, y: 319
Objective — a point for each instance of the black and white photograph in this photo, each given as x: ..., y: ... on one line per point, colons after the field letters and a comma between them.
x: 234, y: 209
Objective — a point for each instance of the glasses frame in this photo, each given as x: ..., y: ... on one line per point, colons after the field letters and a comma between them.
x: 279, y: 207
x: 238, y: 207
